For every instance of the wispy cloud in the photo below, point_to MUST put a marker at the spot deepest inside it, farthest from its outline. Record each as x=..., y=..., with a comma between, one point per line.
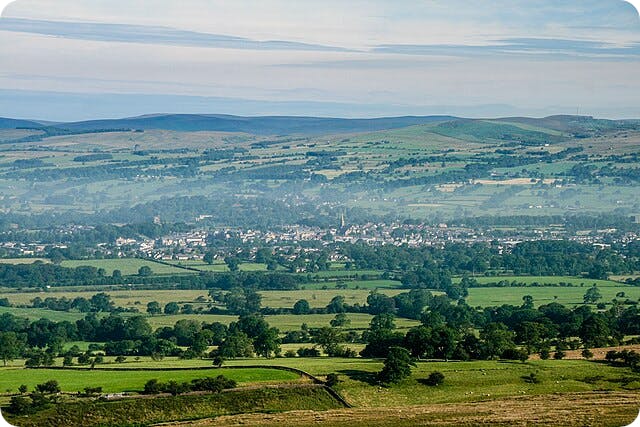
x=121, y=33
x=524, y=46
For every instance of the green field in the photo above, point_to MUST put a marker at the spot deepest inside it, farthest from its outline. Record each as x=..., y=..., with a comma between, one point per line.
x=130, y=381
x=576, y=281
x=464, y=381
x=570, y=296
x=127, y=266
x=157, y=410
x=22, y=260
x=284, y=322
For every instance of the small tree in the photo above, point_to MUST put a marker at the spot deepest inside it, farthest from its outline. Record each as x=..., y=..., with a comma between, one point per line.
x=559, y=355
x=10, y=346
x=145, y=271
x=592, y=295
x=233, y=263
x=301, y=307
x=587, y=354
x=545, y=354
x=153, y=308
x=50, y=387
x=23, y=389
x=218, y=361
x=340, y=321
x=397, y=365
x=171, y=308
x=332, y=380
x=209, y=257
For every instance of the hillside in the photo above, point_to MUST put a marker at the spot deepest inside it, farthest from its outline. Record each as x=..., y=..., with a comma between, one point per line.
x=253, y=125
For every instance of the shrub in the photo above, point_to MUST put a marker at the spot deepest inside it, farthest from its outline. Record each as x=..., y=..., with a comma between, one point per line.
x=153, y=387
x=532, y=378
x=308, y=352
x=434, y=379
x=559, y=355
x=587, y=354
x=50, y=387
x=332, y=380
x=20, y=405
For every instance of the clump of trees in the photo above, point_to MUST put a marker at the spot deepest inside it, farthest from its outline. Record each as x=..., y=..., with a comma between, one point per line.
x=209, y=384
x=43, y=396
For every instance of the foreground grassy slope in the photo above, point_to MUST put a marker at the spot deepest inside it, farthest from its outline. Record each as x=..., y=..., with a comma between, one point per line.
x=142, y=412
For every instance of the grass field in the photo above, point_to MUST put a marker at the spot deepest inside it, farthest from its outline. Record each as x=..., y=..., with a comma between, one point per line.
x=127, y=266
x=22, y=260
x=130, y=381
x=284, y=322
x=318, y=298
x=464, y=381
x=487, y=297
x=575, y=281
x=143, y=412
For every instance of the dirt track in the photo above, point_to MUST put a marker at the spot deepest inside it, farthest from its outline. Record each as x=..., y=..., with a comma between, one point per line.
x=578, y=409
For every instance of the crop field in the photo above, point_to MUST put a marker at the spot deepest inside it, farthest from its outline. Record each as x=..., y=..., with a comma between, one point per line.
x=131, y=381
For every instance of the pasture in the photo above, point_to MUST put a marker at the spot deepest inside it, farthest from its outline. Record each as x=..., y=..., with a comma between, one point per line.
x=127, y=266
x=72, y=380
x=569, y=296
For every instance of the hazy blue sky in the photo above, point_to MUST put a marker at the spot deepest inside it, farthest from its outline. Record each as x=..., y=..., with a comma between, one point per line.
x=72, y=59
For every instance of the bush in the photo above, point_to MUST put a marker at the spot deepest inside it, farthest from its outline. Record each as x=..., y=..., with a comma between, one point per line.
x=515, y=354
x=215, y=385
x=587, y=354
x=434, y=379
x=289, y=353
x=545, y=354
x=153, y=387
x=559, y=355
x=50, y=387
x=308, y=352
x=20, y=405
x=532, y=378
x=332, y=380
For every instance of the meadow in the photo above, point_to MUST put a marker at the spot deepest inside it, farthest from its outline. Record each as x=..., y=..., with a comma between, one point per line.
x=570, y=296
x=71, y=380
x=127, y=266
x=465, y=382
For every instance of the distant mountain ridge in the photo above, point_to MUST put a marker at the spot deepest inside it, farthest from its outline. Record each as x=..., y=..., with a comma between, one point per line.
x=17, y=123
x=267, y=125
x=293, y=125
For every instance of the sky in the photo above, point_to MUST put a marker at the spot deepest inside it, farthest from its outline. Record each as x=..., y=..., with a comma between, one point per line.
x=65, y=60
